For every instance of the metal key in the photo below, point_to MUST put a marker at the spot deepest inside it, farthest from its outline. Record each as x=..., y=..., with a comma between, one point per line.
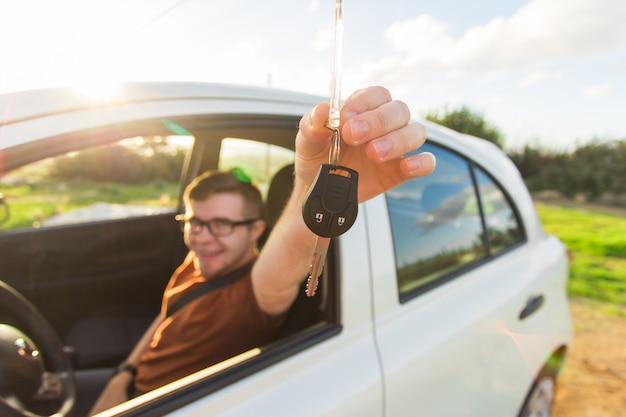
x=329, y=210
x=329, y=217
x=317, y=264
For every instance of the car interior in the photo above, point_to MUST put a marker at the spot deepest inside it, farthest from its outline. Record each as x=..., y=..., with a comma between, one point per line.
x=99, y=284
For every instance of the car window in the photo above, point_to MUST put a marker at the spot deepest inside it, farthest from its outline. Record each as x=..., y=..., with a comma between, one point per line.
x=437, y=225
x=136, y=176
x=257, y=160
x=502, y=222
x=435, y=222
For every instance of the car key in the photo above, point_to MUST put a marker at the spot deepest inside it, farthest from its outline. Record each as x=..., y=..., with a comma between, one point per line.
x=330, y=207
x=329, y=210
x=331, y=204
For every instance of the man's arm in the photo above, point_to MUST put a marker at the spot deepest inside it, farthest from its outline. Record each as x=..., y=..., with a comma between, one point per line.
x=116, y=390
x=376, y=134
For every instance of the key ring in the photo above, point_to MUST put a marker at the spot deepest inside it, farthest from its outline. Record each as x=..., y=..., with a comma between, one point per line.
x=335, y=146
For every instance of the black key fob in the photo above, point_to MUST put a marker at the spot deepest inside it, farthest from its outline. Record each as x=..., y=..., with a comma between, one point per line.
x=331, y=205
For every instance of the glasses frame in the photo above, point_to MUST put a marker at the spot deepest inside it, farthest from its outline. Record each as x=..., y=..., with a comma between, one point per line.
x=202, y=224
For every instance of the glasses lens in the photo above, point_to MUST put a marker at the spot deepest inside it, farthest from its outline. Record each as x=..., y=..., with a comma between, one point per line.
x=195, y=225
x=221, y=227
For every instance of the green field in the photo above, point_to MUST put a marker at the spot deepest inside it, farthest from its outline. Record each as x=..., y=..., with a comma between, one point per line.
x=33, y=203
x=597, y=244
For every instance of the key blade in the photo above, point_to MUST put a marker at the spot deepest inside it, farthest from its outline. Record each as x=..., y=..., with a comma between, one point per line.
x=317, y=265
x=335, y=80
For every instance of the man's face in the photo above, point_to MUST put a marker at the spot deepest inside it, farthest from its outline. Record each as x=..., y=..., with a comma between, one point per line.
x=217, y=255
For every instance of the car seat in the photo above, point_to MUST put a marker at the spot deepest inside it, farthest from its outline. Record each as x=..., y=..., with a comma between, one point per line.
x=305, y=311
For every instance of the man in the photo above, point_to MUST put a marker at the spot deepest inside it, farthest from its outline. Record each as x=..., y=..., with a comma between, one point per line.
x=376, y=134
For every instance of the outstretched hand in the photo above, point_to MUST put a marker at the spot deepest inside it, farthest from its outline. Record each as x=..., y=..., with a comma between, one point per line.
x=375, y=133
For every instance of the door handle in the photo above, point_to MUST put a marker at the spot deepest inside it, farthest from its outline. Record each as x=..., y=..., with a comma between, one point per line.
x=533, y=304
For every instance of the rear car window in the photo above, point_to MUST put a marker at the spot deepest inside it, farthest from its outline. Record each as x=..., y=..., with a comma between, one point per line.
x=440, y=222
x=503, y=226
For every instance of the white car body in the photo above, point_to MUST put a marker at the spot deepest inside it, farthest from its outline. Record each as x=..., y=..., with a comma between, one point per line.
x=457, y=349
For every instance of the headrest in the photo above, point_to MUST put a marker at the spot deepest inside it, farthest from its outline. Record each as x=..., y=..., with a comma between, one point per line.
x=278, y=193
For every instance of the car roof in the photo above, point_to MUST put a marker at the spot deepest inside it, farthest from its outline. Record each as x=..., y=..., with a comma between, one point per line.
x=30, y=104
x=30, y=116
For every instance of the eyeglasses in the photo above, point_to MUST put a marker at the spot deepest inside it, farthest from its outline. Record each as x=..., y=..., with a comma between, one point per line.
x=217, y=227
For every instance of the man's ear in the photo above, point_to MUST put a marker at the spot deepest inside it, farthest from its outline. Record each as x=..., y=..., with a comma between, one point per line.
x=258, y=227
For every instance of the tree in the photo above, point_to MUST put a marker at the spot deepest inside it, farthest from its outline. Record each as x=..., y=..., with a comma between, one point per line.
x=466, y=121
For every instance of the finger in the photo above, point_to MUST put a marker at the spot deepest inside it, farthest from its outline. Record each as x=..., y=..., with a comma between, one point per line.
x=418, y=165
x=313, y=137
x=390, y=174
x=397, y=143
x=312, y=123
x=364, y=100
x=375, y=123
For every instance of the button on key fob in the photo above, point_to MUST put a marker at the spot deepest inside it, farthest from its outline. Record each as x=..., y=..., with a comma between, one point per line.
x=331, y=205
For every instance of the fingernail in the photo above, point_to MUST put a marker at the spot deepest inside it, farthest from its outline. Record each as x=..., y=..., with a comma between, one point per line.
x=382, y=147
x=359, y=130
x=413, y=165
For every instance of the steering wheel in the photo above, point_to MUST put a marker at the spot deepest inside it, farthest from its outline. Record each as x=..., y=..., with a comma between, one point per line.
x=23, y=376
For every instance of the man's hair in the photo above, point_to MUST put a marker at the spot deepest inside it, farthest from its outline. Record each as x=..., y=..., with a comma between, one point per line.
x=217, y=182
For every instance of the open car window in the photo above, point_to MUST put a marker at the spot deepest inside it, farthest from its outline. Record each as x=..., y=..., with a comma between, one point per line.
x=134, y=177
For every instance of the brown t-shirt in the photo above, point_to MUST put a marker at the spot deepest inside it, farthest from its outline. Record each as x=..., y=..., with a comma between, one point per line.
x=211, y=328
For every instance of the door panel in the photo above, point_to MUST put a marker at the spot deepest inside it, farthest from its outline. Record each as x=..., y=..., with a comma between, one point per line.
x=70, y=272
x=454, y=350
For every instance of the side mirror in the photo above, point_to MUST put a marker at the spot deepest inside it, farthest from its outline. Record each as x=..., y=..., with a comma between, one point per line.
x=4, y=209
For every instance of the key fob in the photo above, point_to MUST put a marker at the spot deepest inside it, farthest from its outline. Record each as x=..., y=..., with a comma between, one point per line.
x=331, y=205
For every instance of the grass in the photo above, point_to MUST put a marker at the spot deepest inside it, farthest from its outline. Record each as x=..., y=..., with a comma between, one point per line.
x=597, y=243
x=30, y=204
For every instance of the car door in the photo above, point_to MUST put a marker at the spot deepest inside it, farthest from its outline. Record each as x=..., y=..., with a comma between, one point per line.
x=450, y=334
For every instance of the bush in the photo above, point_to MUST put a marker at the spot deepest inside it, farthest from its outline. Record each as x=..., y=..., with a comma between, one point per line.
x=593, y=170
x=119, y=164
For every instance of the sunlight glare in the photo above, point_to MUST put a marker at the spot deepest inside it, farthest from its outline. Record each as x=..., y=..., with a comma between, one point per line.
x=96, y=89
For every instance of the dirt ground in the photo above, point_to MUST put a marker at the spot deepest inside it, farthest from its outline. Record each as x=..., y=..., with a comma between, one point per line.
x=593, y=380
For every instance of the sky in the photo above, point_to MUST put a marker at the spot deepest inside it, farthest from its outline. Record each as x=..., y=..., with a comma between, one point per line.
x=545, y=73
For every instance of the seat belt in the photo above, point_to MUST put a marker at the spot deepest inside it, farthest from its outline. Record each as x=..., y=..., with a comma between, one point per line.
x=206, y=287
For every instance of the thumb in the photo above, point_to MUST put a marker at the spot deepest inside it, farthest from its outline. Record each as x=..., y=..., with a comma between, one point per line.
x=313, y=137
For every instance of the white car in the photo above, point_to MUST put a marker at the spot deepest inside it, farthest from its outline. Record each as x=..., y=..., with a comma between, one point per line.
x=446, y=298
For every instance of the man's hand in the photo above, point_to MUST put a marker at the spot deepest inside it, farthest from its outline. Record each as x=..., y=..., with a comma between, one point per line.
x=115, y=393
x=376, y=134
